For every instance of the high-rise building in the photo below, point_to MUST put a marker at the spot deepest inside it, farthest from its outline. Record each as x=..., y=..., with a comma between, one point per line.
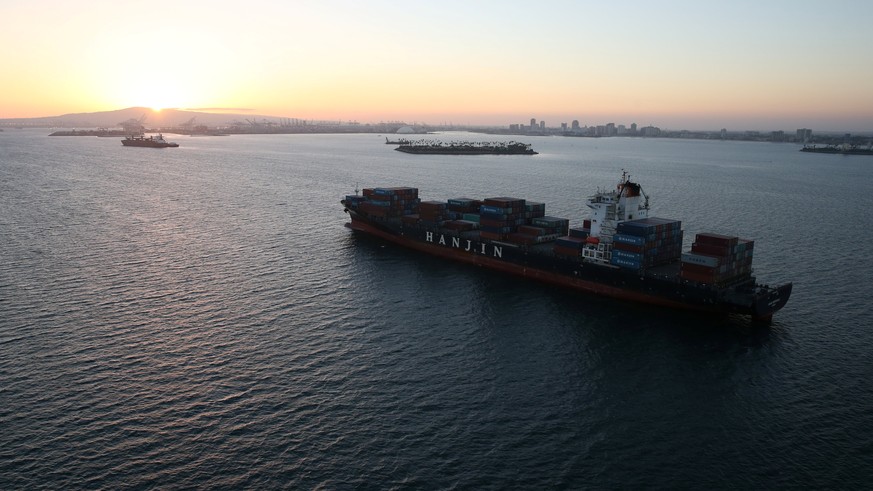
x=651, y=131
x=804, y=135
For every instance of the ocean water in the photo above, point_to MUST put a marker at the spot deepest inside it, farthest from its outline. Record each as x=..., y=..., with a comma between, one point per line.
x=200, y=317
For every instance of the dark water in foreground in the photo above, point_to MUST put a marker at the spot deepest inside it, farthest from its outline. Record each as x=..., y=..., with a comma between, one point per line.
x=199, y=317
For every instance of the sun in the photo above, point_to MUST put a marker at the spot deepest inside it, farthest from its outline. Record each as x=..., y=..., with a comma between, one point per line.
x=159, y=95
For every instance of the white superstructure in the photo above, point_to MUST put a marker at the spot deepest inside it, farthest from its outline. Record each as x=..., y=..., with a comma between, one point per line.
x=608, y=208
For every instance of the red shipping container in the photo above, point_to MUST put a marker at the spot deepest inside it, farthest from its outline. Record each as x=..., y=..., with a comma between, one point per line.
x=716, y=239
x=531, y=230
x=492, y=236
x=713, y=250
x=525, y=239
x=628, y=247
x=566, y=251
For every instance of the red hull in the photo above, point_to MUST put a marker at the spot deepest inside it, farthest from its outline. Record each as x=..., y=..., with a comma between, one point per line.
x=536, y=274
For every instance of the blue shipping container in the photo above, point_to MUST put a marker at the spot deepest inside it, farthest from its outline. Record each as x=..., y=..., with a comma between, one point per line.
x=629, y=239
x=630, y=256
x=625, y=263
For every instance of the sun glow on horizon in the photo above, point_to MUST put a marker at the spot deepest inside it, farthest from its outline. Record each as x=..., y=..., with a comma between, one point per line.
x=373, y=62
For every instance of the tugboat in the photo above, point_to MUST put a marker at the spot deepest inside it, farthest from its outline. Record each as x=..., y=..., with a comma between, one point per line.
x=150, y=141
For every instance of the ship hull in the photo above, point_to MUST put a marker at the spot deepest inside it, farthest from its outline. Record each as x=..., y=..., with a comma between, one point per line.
x=147, y=144
x=462, y=151
x=838, y=151
x=608, y=281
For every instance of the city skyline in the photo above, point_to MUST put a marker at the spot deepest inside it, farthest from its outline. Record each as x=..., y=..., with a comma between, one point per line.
x=172, y=119
x=676, y=64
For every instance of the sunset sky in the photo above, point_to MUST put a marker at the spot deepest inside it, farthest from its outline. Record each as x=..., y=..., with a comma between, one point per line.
x=676, y=64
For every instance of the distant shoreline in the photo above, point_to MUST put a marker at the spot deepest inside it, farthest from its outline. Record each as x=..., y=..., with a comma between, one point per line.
x=859, y=140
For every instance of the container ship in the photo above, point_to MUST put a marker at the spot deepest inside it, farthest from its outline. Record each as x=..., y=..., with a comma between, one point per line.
x=150, y=142
x=844, y=149
x=620, y=251
x=465, y=148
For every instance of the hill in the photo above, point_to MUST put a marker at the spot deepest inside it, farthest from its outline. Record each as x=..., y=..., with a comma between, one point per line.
x=159, y=119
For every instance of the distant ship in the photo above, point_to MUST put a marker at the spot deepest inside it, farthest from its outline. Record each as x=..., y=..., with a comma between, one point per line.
x=150, y=142
x=838, y=149
x=464, y=148
x=402, y=141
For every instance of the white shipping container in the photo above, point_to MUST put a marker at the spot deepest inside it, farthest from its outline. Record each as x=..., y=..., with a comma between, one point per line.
x=701, y=259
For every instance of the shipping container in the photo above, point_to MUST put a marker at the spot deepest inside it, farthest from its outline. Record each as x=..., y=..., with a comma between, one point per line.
x=625, y=263
x=711, y=249
x=524, y=239
x=627, y=247
x=492, y=236
x=579, y=232
x=434, y=205
x=506, y=205
x=701, y=259
x=570, y=242
x=353, y=198
x=628, y=239
x=533, y=206
x=411, y=219
x=531, y=230
x=566, y=251
x=496, y=230
x=461, y=202
x=716, y=239
x=461, y=225
x=501, y=223
x=650, y=228
x=490, y=209
x=505, y=202
x=552, y=222
x=630, y=256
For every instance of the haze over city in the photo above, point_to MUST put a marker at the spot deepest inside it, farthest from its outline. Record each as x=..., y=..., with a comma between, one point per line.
x=675, y=64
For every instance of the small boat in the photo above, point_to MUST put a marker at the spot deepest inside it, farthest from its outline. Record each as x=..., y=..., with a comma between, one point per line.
x=150, y=141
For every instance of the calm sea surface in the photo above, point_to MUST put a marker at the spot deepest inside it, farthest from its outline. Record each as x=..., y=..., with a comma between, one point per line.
x=199, y=317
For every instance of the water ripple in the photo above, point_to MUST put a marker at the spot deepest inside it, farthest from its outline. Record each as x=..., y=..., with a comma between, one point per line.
x=202, y=319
